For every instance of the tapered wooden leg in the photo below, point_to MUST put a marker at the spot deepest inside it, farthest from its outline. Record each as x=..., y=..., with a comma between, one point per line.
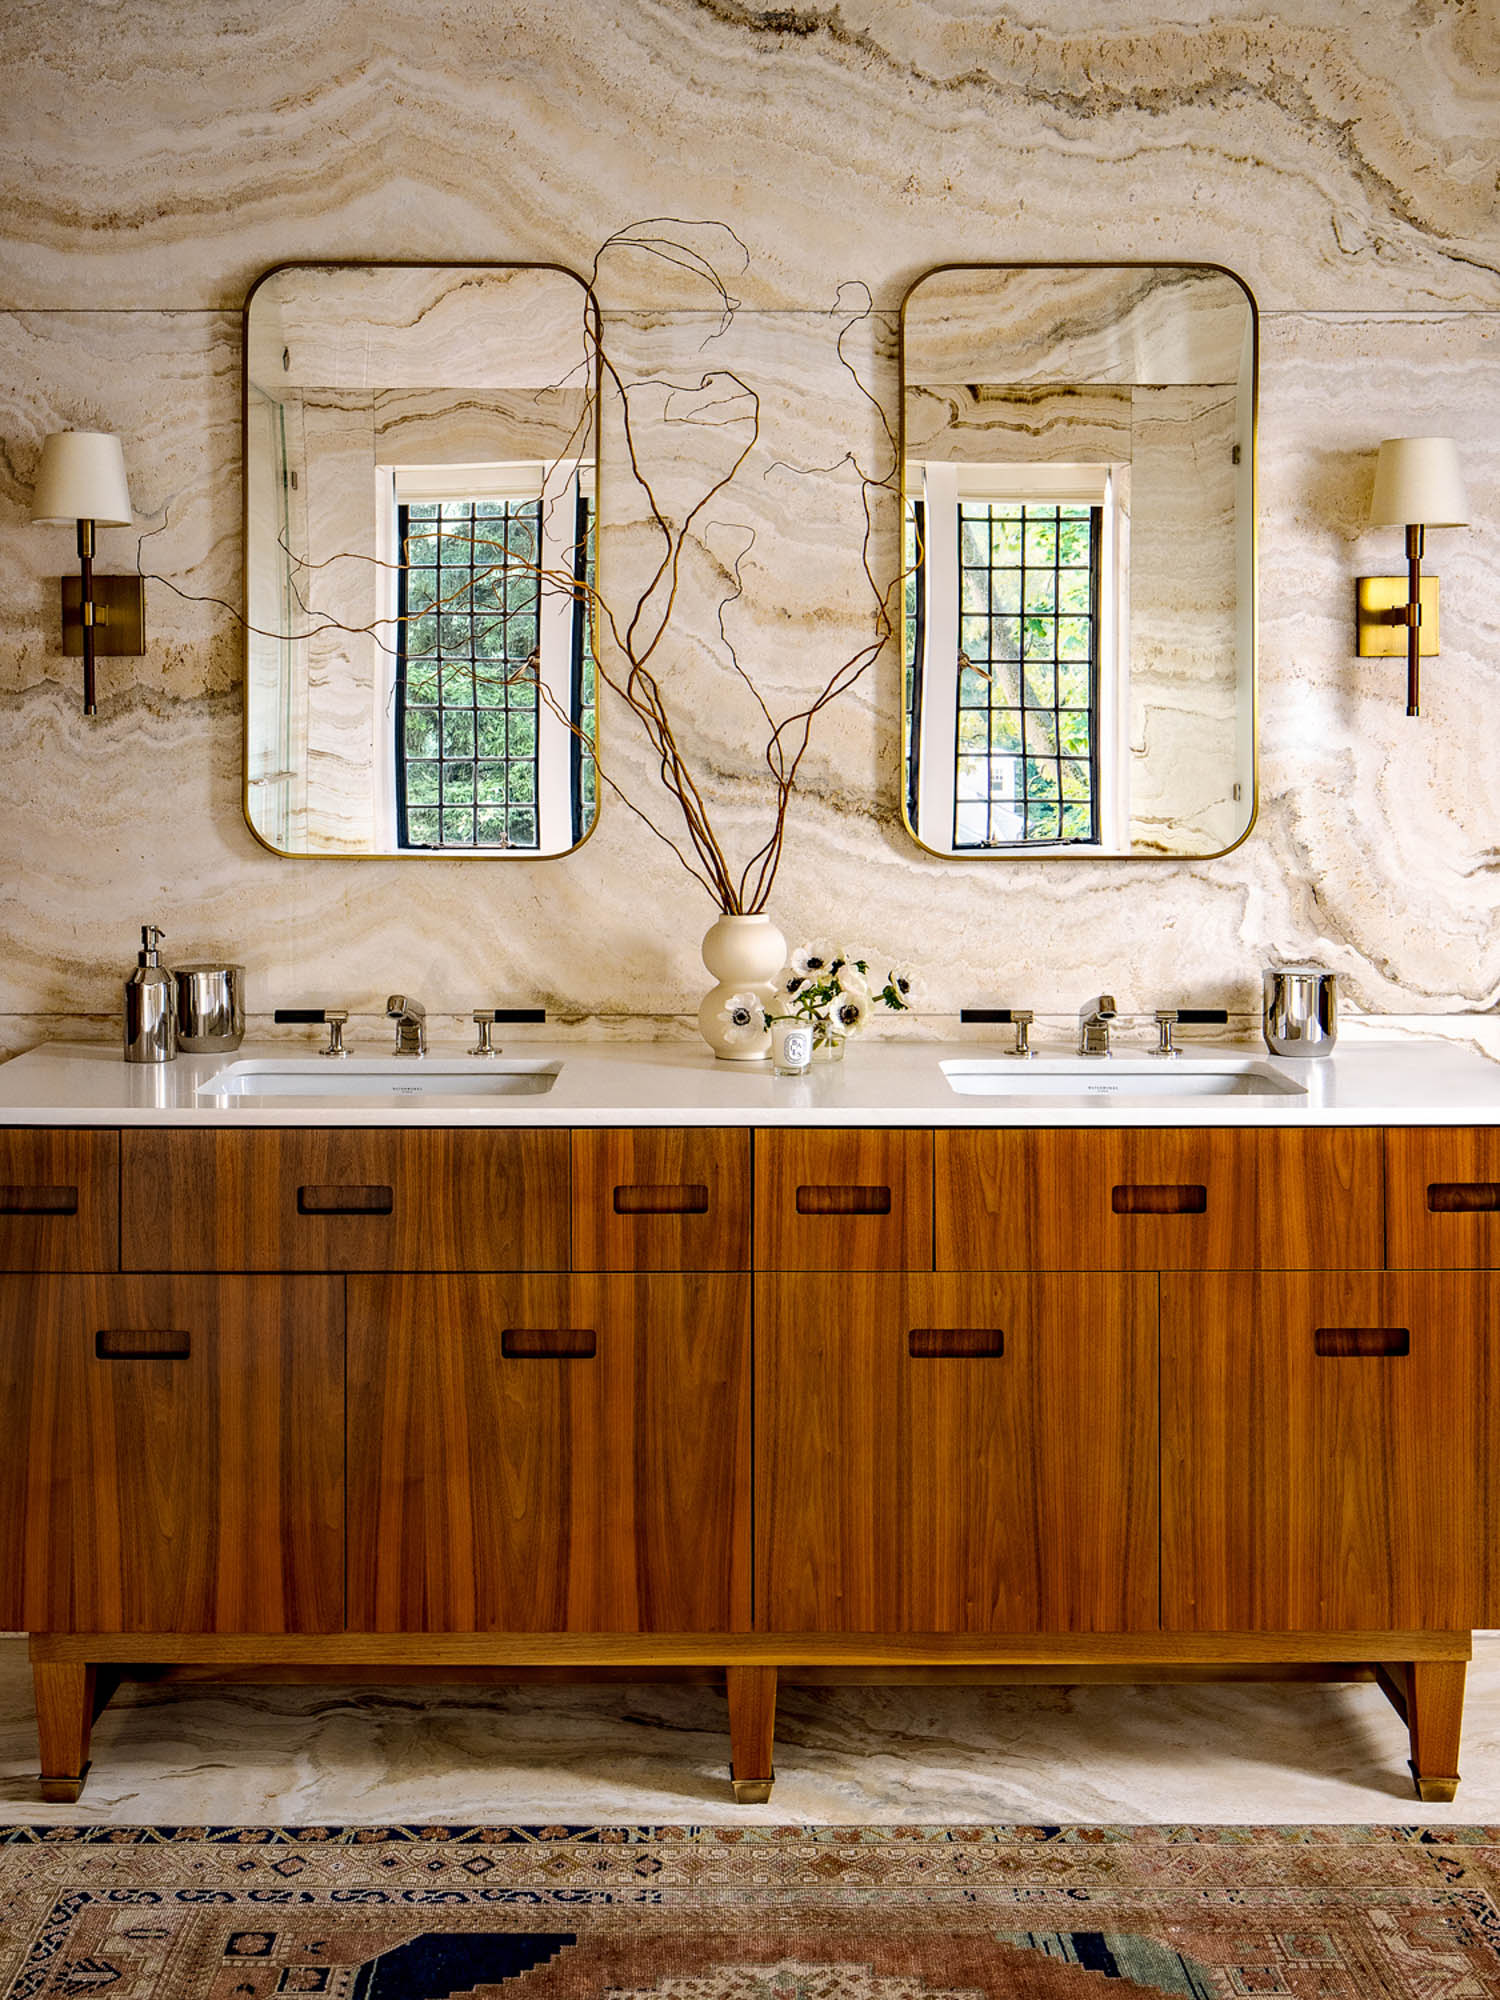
x=65, y=1710
x=752, y=1732
x=1434, y=1721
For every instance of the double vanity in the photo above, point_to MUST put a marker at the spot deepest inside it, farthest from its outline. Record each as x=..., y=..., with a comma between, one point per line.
x=600, y=1357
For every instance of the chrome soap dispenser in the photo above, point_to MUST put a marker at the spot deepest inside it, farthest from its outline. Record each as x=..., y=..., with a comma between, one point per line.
x=150, y=1005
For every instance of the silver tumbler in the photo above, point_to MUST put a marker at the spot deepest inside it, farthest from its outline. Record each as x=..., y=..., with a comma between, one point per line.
x=210, y=1008
x=1301, y=1012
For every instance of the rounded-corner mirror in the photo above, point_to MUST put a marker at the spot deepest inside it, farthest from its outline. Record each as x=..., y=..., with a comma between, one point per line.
x=1078, y=471
x=421, y=466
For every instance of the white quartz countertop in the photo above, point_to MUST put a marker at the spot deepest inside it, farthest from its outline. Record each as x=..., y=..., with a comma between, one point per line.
x=1385, y=1071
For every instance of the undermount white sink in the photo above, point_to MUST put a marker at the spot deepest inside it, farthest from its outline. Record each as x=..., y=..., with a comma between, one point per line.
x=404, y=1079
x=1098, y=1078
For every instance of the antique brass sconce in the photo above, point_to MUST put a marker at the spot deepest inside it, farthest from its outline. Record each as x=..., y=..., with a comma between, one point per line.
x=82, y=479
x=1418, y=485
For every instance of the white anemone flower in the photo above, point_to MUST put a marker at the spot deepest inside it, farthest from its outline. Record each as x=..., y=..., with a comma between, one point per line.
x=852, y=980
x=812, y=960
x=847, y=1012
x=742, y=1019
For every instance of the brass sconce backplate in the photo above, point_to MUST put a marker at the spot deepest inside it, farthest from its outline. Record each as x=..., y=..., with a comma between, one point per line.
x=1380, y=617
x=119, y=615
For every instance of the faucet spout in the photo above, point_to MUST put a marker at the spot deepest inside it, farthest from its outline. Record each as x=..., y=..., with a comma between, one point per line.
x=1094, y=1019
x=410, y=1017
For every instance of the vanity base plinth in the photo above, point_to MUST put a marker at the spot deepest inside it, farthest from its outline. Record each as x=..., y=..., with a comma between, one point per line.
x=1421, y=1673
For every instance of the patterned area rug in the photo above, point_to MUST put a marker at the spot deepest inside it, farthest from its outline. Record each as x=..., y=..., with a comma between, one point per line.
x=763, y=1913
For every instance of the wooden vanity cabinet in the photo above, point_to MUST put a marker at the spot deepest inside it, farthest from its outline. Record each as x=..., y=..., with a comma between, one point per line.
x=1139, y=1403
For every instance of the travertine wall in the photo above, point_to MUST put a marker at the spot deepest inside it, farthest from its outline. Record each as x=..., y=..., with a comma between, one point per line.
x=1339, y=154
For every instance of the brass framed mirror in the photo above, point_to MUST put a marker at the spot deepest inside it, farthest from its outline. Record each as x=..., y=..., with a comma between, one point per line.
x=1079, y=648
x=421, y=449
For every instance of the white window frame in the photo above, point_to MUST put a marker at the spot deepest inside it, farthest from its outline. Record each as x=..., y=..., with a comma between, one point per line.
x=557, y=487
x=942, y=485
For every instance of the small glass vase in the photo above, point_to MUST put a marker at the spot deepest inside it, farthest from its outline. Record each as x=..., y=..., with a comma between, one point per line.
x=828, y=1043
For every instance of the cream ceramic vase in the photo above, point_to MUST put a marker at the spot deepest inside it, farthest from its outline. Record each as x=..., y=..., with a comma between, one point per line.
x=744, y=954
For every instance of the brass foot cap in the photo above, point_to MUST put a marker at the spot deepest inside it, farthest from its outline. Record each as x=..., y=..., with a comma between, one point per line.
x=752, y=1791
x=63, y=1791
x=1434, y=1791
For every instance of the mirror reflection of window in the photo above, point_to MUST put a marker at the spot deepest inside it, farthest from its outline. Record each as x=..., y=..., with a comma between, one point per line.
x=421, y=454
x=1078, y=446
x=1015, y=672
x=493, y=700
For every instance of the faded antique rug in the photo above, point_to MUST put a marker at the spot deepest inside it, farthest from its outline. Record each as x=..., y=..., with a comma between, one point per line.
x=760, y=1913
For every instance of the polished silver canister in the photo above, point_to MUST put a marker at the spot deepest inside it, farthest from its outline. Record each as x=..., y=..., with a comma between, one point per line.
x=1301, y=1011
x=210, y=1008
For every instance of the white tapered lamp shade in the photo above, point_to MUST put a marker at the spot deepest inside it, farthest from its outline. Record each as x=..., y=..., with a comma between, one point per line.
x=1418, y=482
x=82, y=478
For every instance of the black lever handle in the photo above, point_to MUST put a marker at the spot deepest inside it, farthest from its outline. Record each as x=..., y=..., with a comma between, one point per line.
x=988, y=1016
x=1204, y=1017
x=512, y=1014
x=314, y=1017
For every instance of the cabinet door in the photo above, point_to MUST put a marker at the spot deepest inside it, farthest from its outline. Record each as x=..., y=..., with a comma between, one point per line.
x=59, y=1201
x=174, y=1457
x=322, y=1199
x=549, y=1454
x=956, y=1454
x=1198, y=1199
x=1322, y=1451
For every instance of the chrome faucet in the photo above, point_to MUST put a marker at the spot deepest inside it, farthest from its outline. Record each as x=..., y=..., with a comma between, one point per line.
x=410, y=1017
x=1094, y=1018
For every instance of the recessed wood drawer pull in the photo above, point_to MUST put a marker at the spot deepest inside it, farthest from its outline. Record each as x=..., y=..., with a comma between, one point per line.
x=1356, y=1341
x=548, y=1343
x=662, y=1198
x=336, y=1200
x=142, y=1344
x=1189, y=1199
x=843, y=1201
x=38, y=1200
x=936, y=1343
x=1462, y=1197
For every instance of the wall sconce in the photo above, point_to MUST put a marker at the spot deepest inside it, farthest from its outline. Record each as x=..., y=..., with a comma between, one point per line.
x=1418, y=485
x=82, y=478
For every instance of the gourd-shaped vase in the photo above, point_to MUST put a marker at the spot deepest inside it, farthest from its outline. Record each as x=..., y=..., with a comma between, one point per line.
x=744, y=954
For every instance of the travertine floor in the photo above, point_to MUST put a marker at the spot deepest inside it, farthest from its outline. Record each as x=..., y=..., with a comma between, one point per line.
x=249, y=1755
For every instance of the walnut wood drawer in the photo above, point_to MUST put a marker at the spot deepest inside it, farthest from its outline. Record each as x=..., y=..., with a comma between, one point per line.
x=327, y=1200
x=59, y=1200
x=1148, y=1200
x=1443, y=1198
x=843, y=1201
x=652, y=1199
